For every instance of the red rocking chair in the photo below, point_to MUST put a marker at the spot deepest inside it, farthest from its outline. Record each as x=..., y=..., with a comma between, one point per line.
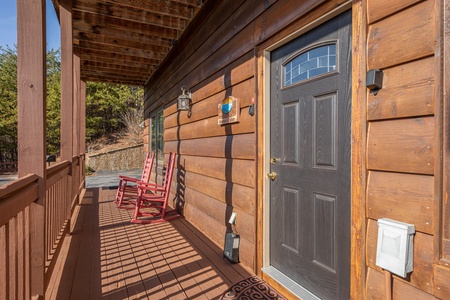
x=127, y=190
x=151, y=204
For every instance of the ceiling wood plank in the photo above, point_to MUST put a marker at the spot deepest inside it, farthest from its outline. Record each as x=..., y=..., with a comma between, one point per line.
x=161, y=7
x=84, y=30
x=105, y=74
x=128, y=62
x=121, y=50
x=105, y=40
x=100, y=20
x=119, y=68
x=130, y=14
x=114, y=81
x=92, y=73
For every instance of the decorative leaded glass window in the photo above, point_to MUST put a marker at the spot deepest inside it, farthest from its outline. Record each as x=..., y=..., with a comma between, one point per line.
x=314, y=62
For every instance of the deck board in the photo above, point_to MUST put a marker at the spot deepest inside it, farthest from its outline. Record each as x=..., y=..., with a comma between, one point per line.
x=108, y=257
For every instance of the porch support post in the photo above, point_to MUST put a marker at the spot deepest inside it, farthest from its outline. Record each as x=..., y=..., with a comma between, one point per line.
x=65, y=11
x=83, y=128
x=76, y=123
x=76, y=101
x=65, y=15
x=31, y=99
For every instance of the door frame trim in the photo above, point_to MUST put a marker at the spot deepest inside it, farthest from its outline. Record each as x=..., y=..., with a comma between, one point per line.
x=358, y=128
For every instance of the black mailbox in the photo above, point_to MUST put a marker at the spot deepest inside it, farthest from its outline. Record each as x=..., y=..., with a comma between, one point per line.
x=50, y=158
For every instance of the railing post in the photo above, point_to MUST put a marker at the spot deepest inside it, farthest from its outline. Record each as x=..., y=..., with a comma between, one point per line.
x=31, y=96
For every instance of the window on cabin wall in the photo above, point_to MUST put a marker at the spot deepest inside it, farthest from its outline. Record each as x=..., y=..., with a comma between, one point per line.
x=157, y=138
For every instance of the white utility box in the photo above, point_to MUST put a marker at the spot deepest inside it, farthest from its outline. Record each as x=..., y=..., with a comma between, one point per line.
x=395, y=246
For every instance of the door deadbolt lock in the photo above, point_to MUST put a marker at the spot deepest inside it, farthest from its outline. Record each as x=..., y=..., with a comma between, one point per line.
x=273, y=160
x=272, y=176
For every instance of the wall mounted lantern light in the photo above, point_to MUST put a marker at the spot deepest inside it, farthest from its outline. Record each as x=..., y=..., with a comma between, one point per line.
x=184, y=100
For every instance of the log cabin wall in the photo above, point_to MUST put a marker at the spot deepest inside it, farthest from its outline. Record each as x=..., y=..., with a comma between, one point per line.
x=217, y=164
x=404, y=139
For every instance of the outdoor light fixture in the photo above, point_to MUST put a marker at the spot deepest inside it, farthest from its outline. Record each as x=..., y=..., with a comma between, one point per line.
x=231, y=248
x=184, y=100
x=374, y=80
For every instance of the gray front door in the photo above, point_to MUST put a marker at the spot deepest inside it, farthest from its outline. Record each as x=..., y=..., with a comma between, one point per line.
x=310, y=155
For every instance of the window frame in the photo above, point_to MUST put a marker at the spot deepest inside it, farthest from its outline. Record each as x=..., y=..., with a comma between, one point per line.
x=156, y=144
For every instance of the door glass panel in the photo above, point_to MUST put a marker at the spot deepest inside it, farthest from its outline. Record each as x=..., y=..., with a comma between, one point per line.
x=312, y=63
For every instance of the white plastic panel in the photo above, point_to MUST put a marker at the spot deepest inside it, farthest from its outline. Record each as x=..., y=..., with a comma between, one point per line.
x=395, y=246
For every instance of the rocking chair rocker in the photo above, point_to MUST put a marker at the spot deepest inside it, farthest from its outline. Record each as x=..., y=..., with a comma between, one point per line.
x=127, y=191
x=151, y=204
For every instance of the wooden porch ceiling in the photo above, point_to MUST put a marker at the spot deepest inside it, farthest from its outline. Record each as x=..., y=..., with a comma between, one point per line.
x=124, y=41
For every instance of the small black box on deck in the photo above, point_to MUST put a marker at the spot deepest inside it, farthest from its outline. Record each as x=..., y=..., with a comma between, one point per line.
x=231, y=248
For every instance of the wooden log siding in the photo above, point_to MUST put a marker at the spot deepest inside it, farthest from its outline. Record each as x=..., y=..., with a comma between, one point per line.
x=407, y=91
x=217, y=58
x=215, y=46
x=402, y=146
x=390, y=44
x=216, y=62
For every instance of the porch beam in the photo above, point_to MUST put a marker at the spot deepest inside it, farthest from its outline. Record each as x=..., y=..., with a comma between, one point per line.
x=31, y=98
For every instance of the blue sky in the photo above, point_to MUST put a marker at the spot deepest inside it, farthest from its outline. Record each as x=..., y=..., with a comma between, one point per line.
x=8, y=25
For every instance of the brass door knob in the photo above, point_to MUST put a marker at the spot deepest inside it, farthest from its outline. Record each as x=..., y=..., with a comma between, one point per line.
x=272, y=176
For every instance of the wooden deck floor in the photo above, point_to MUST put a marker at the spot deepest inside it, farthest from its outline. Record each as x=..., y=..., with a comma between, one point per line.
x=107, y=257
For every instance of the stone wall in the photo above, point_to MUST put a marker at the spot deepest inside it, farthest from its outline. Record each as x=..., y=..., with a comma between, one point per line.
x=118, y=159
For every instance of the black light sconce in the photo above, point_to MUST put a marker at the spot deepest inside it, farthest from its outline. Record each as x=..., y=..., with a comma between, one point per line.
x=184, y=100
x=374, y=80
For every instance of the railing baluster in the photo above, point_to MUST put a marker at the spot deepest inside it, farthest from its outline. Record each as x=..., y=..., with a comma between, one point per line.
x=20, y=254
x=3, y=262
x=12, y=257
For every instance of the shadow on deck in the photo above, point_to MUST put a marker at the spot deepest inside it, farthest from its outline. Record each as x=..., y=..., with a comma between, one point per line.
x=107, y=257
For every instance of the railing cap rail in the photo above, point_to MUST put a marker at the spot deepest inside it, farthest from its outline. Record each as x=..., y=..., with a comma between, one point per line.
x=17, y=184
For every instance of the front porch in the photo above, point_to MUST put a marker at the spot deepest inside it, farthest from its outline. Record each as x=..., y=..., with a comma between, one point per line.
x=107, y=257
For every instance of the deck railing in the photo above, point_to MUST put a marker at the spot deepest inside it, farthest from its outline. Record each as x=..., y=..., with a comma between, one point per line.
x=57, y=210
x=64, y=187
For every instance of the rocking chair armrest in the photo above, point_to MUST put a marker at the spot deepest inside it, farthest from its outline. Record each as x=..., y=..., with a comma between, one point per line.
x=127, y=178
x=150, y=186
